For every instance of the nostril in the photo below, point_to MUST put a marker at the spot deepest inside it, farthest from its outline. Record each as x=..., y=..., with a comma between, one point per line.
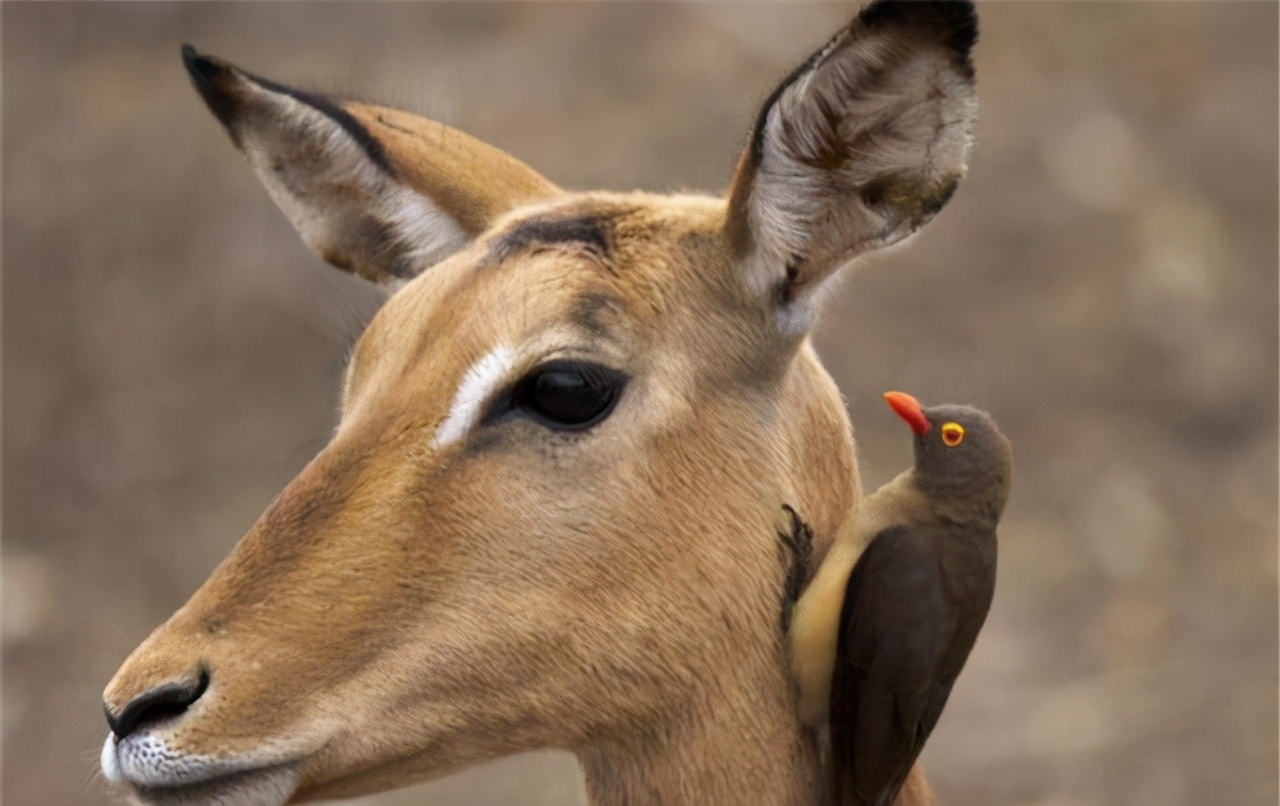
x=156, y=705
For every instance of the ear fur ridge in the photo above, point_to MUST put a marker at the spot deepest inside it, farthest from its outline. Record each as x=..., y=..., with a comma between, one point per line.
x=214, y=79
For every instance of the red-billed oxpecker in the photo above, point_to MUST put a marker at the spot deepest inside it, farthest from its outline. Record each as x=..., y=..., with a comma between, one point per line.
x=882, y=632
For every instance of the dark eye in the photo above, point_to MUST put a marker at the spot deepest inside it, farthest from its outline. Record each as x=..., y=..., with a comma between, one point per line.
x=569, y=395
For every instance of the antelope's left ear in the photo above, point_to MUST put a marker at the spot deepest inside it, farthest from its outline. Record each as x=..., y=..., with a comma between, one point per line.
x=858, y=148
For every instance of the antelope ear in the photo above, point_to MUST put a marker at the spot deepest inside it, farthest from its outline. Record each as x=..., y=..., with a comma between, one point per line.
x=858, y=148
x=378, y=192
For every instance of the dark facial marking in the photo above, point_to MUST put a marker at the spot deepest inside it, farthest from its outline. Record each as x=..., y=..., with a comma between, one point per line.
x=592, y=232
x=588, y=309
x=797, y=543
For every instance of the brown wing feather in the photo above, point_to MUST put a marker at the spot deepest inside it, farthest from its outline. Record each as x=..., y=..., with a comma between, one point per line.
x=911, y=613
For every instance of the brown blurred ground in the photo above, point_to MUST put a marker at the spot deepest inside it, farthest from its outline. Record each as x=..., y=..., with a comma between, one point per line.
x=1105, y=282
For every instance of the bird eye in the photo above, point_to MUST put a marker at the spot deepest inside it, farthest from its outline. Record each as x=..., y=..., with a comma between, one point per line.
x=569, y=395
x=952, y=434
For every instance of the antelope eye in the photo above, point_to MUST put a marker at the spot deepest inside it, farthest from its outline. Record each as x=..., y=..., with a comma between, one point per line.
x=569, y=395
x=952, y=434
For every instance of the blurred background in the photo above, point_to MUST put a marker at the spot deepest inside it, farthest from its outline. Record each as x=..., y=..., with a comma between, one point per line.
x=1105, y=282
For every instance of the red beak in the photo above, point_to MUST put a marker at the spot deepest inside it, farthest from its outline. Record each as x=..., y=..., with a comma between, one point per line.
x=908, y=408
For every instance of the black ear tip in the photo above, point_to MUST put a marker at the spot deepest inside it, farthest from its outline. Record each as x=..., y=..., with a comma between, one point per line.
x=952, y=23
x=962, y=18
x=955, y=20
x=210, y=76
x=204, y=70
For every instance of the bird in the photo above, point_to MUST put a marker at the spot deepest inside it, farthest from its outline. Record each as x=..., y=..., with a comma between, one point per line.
x=884, y=628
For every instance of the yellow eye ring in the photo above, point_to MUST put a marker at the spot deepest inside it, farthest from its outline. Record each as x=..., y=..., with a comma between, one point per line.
x=952, y=434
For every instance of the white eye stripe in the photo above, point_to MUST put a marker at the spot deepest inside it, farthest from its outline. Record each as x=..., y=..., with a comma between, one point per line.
x=477, y=386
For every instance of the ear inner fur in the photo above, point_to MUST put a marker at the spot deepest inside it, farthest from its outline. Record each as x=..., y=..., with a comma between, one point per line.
x=857, y=149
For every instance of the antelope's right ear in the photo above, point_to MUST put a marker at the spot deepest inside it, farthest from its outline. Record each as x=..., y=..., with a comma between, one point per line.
x=378, y=192
x=856, y=149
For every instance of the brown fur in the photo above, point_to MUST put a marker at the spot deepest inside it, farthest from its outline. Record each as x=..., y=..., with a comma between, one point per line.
x=471, y=180
x=404, y=609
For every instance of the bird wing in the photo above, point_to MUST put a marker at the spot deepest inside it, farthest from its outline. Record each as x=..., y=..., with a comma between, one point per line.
x=905, y=631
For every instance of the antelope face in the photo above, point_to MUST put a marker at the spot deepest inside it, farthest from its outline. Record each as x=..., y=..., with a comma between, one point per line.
x=548, y=515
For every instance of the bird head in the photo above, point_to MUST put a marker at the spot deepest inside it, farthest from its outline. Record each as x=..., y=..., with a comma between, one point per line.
x=958, y=451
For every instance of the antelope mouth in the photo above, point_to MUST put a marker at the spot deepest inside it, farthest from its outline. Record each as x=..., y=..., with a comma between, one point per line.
x=266, y=786
x=154, y=775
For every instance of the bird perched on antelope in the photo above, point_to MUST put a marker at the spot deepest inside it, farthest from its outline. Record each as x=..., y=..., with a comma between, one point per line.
x=883, y=630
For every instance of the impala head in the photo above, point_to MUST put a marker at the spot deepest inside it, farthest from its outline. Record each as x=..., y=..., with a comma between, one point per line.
x=549, y=514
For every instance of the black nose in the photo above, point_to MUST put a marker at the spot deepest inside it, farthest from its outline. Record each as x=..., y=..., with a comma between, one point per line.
x=156, y=705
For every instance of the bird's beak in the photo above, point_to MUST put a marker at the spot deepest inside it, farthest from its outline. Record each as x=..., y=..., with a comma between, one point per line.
x=908, y=408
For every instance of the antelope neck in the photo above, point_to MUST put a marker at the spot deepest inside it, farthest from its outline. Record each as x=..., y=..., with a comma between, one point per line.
x=746, y=748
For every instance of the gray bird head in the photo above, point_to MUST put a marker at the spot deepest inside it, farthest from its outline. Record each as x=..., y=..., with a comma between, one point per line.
x=960, y=454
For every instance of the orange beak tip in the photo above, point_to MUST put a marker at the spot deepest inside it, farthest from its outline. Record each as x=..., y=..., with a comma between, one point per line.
x=909, y=409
